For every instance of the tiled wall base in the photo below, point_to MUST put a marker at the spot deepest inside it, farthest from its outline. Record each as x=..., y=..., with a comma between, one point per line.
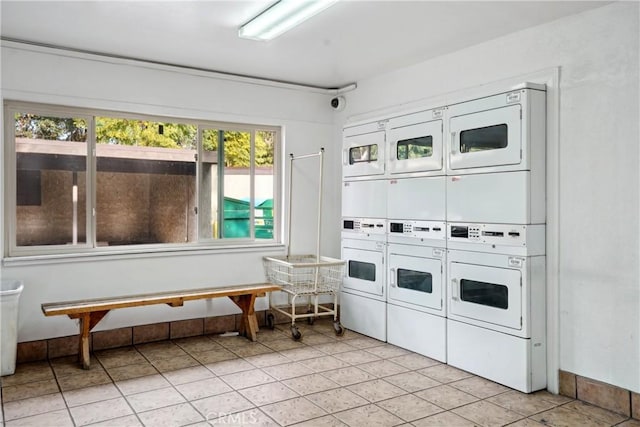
x=33, y=351
x=600, y=394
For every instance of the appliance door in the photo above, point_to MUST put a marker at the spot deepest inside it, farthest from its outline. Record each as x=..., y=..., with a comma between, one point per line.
x=486, y=138
x=416, y=198
x=416, y=148
x=485, y=295
x=363, y=155
x=415, y=280
x=364, y=271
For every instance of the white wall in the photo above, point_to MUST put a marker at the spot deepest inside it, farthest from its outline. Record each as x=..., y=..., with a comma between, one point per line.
x=49, y=76
x=598, y=182
x=597, y=176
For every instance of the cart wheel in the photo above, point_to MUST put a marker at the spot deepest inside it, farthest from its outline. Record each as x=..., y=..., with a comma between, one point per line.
x=271, y=321
x=310, y=320
x=338, y=329
x=295, y=333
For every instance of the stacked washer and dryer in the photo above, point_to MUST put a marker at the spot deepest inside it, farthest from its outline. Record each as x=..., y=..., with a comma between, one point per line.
x=397, y=206
x=443, y=233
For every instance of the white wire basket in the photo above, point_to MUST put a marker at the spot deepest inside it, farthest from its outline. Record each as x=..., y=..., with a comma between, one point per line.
x=305, y=274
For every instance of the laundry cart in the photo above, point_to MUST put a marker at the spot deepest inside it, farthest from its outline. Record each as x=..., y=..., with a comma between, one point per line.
x=305, y=277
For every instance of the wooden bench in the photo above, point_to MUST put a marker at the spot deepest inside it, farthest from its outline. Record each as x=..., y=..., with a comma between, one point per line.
x=91, y=311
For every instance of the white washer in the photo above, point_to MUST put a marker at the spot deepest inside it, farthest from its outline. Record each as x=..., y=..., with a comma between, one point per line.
x=362, y=298
x=416, y=294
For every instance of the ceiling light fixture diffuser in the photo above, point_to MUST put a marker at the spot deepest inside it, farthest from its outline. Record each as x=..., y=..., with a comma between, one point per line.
x=280, y=17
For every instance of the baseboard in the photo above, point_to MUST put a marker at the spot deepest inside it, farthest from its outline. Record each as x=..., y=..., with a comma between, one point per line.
x=598, y=393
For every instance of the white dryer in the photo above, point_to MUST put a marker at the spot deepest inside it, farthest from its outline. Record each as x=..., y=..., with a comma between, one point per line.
x=362, y=297
x=496, y=325
x=363, y=150
x=498, y=133
x=416, y=293
x=416, y=144
x=496, y=158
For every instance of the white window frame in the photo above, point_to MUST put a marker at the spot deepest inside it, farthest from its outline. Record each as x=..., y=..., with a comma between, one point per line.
x=12, y=250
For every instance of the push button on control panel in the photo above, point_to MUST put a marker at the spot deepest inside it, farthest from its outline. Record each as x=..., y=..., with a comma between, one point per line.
x=474, y=233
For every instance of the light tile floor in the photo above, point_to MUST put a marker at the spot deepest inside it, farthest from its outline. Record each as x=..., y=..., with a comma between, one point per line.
x=322, y=381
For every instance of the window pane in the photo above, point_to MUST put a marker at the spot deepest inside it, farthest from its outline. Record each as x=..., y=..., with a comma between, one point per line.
x=145, y=182
x=415, y=280
x=141, y=187
x=363, y=154
x=263, y=183
x=237, y=184
x=483, y=139
x=415, y=148
x=51, y=159
x=485, y=293
x=208, y=207
x=362, y=270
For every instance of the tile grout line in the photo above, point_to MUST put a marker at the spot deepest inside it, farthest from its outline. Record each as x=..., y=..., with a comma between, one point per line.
x=122, y=395
x=66, y=404
x=239, y=351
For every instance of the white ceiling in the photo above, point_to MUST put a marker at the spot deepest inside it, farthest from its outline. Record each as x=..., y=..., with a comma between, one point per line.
x=346, y=43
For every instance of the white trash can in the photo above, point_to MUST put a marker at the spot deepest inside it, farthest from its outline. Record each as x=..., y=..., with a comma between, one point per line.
x=10, y=291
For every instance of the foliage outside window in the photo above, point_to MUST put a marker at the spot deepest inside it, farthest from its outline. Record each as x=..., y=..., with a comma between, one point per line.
x=363, y=154
x=415, y=148
x=82, y=181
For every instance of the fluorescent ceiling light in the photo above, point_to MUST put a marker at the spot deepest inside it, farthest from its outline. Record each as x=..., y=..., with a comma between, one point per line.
x=281, y=17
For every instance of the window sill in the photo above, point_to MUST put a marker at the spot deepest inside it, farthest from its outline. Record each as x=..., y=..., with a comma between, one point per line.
x=133, y=253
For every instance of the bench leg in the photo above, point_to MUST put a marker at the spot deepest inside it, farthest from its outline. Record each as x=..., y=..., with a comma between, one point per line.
x=87, y=322
x=83, y=348
x=249, y=324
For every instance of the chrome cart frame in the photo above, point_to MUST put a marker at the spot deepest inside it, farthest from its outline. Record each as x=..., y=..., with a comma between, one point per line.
x=307, y=276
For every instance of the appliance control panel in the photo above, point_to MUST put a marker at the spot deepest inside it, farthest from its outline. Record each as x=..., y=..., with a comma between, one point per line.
x=492, y=234
x=363, y=225
x=417, y=229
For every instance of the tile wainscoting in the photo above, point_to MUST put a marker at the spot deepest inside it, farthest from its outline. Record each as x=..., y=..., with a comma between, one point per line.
x=34, y=351
x=600, y=394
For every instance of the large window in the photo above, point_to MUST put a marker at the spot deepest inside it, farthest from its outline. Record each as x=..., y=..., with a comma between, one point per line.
x=83, y=181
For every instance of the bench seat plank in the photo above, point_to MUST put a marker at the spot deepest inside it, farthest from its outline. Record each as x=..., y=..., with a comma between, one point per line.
x=91, y=311
x=110, y=303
